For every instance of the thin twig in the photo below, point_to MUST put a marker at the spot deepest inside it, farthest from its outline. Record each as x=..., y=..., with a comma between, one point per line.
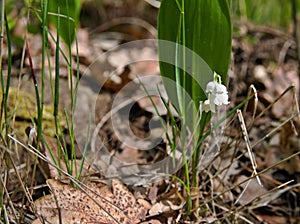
x=9, y=199
x=253, y=176
x=276, y=129
x=275, y=101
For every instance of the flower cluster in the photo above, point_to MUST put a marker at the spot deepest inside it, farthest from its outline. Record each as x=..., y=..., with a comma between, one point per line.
x=216, y=94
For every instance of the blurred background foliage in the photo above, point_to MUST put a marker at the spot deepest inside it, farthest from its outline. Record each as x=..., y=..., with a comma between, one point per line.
x=275, y=13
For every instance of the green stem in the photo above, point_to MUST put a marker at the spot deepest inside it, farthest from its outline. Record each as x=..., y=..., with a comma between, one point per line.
x=44, y=5
x=39, y=110
x=1, y=72
x=72, y=91
x=182, y=102
x=5, y=97
x=56, y=92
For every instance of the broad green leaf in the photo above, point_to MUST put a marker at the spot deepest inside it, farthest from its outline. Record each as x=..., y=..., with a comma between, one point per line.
x=68, y=10
x=205, y=28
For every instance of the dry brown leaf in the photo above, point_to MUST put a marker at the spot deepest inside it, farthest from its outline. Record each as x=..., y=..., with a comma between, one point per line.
x=100, y=205
x=116, y=82
x=152, y=221
x=159, y=208
x=272, y=218
x=253, y=190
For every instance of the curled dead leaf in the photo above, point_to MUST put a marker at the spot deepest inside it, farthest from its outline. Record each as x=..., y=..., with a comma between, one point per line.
x=97, y=204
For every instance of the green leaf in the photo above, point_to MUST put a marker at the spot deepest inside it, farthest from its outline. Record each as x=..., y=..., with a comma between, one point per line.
x=203, y=26
x=68, y=10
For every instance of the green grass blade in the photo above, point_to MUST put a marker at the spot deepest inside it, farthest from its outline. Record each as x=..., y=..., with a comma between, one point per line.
x=69, y=13
x=5, y=90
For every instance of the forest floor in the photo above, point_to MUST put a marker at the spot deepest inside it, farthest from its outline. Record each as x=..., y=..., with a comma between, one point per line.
x=264, y=62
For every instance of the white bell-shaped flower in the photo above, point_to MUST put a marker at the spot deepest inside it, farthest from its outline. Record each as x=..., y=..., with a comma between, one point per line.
x=217, y=94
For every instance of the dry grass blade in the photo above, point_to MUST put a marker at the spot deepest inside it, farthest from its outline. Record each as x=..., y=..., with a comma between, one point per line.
x=248, y=144
x=71, y=205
